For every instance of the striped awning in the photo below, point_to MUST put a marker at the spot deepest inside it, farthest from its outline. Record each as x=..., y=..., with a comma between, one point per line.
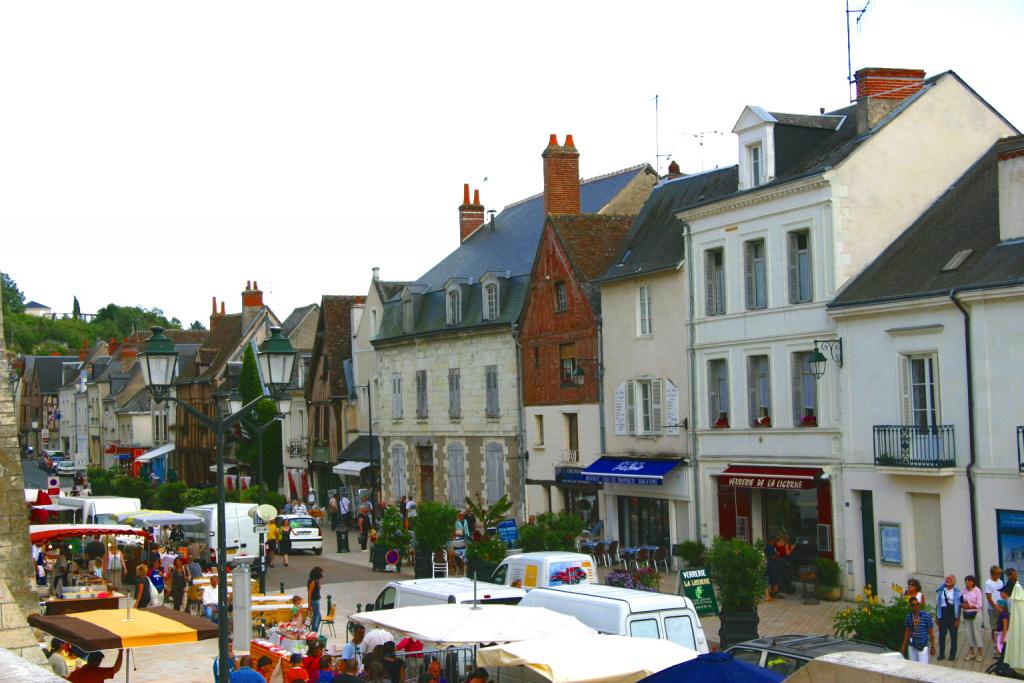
x=110, y=629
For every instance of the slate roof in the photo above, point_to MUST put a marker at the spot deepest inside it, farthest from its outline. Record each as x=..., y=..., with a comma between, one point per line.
x=289, y=324
x=656, y=241
x=389, y=288
x=35, y=304
x=966, y=216
x=138, y=403
x=334, y=340
x=359, y=449
x=512, y=243
x=50, y=369
x=828, y=121
x=217, y=348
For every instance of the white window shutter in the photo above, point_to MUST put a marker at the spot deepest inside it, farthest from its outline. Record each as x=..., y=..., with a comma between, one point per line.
x=907, y=406
x=657, y=405
x=794, y=269
x=631, y=407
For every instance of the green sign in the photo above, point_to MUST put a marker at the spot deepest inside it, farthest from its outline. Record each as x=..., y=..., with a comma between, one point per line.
x=695, y=583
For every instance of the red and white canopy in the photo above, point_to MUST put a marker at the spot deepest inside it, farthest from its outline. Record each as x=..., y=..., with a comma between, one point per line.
x=40, y=533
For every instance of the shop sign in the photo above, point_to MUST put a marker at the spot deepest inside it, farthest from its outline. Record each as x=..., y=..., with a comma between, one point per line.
x=778, y=483
x=892, y=543
x=509, y=532
x=695, y=584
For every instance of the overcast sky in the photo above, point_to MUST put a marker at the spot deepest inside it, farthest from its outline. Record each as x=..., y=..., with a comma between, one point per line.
x=163, y=153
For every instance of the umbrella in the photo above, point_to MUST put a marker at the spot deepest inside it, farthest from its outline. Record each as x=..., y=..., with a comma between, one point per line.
x=39, y=533
x=159, y=518
x=450, y=625
x=585, y=658
x=714, y=667
x=110, y=629
x=1014, y=652
x=375, y=637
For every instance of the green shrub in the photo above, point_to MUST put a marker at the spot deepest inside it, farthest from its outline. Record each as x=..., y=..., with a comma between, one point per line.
x=433, y=525
x=552, y=531
x=828, y=572
x=194, y=497
x=738, y=569
x=252, y=495
x=392, y=533
x=100, y=481
x=875, y=621
x=169, y=496
x=694, y=553
x=487, y=549
x=130, y=487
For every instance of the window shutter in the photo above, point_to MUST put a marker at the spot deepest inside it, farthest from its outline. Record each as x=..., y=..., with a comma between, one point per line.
x=794, y=269
x=631, y=407
x=798, y=387
x=748, y=274
x=657, y=403
x=713, y=399
x=650, y=310
x=709, y=283
x=906, y=401
x=752, y=390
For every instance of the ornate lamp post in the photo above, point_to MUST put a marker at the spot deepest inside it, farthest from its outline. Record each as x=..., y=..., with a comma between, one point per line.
x=159, y=361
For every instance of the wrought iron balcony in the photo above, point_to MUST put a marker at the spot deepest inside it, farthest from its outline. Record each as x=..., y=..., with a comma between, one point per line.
x=913, y=446
x=1020, y=448
x=570, y=456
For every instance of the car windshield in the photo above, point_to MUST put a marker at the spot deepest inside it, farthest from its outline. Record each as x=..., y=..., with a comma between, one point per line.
x=302, y=523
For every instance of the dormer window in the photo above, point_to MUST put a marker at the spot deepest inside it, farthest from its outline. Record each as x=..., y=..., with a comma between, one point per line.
x=756, y=165
x=454, y=307
x=408, y=316
x=491, y=303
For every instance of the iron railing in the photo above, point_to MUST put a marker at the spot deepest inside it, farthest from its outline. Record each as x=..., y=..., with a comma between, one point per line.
x=570, y=455
x=1020, y=447
x=915, y=446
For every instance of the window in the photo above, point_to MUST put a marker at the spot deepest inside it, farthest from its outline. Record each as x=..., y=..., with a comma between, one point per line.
x=754, y=274
x=561, y=297
x=491, y=384
x=718, y=393
x=374, y=325
x=494, y=460
x=760, y=391
x=491, y=301
x=539, y=421
x=920, y=390
x=714, y=281
x=567, y=364
x=572, y=431
x=396, y=396
x=746, y=655
x=421, y=394
x=801, y=288
x=536, y=357
x=680, y=631
x=454, y=307
x=644, y=312
x=408, y=317
x=454, y=394
x=397, y=471
x=784, y=665
x=805, y=392
x=756, y=163
x=644, y=628
x=644, y=401
x=456, y=474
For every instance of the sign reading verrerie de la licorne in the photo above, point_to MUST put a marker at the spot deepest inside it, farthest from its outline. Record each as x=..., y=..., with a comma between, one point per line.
x=695, y=584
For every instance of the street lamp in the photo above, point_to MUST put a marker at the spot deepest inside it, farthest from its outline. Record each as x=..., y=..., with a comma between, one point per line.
x=817, y=360
x=159, y=360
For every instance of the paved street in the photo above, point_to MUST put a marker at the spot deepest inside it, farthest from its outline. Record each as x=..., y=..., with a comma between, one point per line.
x=35, y=477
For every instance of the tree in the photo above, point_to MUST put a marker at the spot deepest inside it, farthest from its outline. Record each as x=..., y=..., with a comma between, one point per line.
x=197, y=326
x=76, y=310
x=14, y=299
x=250, y=387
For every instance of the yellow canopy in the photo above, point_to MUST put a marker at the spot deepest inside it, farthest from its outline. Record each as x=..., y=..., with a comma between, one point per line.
x=109, y=629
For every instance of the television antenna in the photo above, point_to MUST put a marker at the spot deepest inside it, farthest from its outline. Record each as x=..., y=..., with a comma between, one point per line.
x=700, y=142
x=658, y=156
x=849, y=53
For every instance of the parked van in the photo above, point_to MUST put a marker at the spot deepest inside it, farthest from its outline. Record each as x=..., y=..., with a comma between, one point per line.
x=626, y=612
x=99, y=509
x=441, y=591
x=540, y=570
x=241, y=539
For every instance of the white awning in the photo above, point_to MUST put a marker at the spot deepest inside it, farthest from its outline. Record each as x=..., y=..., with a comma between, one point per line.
x=350, y=468
x=228, y=466
x=155, y=453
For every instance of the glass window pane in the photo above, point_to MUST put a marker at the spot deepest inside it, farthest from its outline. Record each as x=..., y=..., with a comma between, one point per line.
x=782, y=664
x=644, y=628
x=680, y=631
x=746, y=655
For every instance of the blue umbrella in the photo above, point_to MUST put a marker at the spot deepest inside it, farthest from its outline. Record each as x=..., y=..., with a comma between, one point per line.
x=714, y=667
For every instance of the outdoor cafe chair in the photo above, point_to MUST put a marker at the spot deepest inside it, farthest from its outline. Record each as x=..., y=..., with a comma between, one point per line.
x=660, y=555
x=328, y=620
x=440, y=564
x=641, y=557
x=611, y=553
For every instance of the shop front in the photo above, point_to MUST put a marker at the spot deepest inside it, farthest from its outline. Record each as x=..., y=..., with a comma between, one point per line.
x=761, y=501
x=578, y=495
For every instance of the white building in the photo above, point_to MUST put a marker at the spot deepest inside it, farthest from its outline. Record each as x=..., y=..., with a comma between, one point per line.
x=933, y=340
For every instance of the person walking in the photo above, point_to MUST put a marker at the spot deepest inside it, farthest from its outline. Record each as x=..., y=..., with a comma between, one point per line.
x=273, y=538
x=332, y=511
x=179, y=582
x=363, y=522
x=115, y=566
x=313, y=598
x=345, y=509
x=947, y=611
x=284, y=544
x=973, y=602
x=918, y=634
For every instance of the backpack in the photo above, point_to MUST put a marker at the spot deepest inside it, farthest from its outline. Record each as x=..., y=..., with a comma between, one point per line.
x=1004, y=670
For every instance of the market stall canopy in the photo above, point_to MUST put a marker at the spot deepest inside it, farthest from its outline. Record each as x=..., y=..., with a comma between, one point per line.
x=629, y=471
x=714, y=667
x=155, y=453
x=55, y=507
x=586, y=658
x=40, y=533
x=227, y=466
x=451, y=625
x=158, y=518
x=350, y=468
x=109, y=629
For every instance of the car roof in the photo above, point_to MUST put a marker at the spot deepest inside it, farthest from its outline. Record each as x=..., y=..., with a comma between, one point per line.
x=812, y=646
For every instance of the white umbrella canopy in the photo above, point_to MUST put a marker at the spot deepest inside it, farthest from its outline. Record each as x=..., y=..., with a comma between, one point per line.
x=585, y=658
x=375, y=637
x=158, y=518
x=1014, y=652
x=453, y=625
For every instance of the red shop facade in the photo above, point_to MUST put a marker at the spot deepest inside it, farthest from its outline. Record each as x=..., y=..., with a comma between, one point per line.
x=759, y=501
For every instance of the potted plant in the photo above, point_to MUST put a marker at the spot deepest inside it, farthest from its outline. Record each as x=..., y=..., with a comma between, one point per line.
x=552, y=531
x=432, y=529
x=693, y=553
x=828, y=579
x=484, y=554
x=738, y=570
x=390, y=537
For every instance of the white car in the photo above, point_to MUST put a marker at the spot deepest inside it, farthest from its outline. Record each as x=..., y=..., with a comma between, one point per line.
x=66, y=468
x=305, y=533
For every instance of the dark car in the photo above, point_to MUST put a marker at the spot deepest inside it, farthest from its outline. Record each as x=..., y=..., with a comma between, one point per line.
x=786, y=654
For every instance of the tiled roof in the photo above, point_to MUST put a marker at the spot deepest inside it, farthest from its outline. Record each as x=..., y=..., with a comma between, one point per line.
x=511, y=244
x=965, y=217
x=138, y=403
x=334, y=339
x=656, y=240
x=591, y=240
x=389, y=288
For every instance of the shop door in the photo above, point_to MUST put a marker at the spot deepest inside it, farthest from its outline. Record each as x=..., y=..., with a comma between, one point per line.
x=867, y=534
x=726, y=512
x=426, y=456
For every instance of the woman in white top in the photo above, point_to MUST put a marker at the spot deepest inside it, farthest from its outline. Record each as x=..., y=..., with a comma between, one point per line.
x=114, y=563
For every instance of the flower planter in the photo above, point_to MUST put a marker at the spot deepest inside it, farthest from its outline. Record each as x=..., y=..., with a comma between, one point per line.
x=424, y=567
x=830, y=593
x=737, y=627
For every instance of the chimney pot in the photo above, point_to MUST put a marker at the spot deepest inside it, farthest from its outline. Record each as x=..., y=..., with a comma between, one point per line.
x=471, y=216
x=568, y=141
x=376, y=270
x=673, y=170
x=248, y=285
x=214, y=305
x=476, y=197
x=465, y=193
x=553, y=140
x=222, y=308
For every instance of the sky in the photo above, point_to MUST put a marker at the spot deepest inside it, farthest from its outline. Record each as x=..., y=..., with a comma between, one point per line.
x=159, y=154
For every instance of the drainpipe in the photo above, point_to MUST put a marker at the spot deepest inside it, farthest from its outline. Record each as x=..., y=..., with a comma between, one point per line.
x=972, y=495
x=599, y=376
x=692, y=358
x=523, y=457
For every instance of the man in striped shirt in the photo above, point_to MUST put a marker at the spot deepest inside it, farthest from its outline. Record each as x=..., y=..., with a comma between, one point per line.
x=920, y=633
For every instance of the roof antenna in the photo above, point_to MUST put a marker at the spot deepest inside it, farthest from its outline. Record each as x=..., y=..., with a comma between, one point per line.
x=700, y=142
x=849, y=54
x=658, y=156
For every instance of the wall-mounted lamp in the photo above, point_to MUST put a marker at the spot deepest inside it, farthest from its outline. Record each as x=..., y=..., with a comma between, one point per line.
x=818, y=360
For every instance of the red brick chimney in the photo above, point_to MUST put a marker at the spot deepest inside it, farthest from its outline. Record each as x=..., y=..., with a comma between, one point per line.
x=881, y=90
x=83, y=352
x=252, y=302
x=128, y=349
x=561, y=177
x=214, y=315
x=471, y=215
x=112, y=346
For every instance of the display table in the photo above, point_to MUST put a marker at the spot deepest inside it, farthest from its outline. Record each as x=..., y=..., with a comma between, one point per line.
x=82, y=601
x=260, y=648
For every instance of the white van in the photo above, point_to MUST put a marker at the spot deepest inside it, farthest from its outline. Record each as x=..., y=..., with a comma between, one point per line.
x=241, y=539
x=540, y=570
x=441, y=591
x=99, y=509
x=626, y=612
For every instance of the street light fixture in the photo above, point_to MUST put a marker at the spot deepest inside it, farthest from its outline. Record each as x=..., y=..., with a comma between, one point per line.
x=159, y=360
x=817, y=359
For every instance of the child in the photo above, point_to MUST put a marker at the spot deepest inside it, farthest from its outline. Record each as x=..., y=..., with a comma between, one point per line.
x=298, y=613
x=297, y=672
x=326, y=673
x=1002, y=623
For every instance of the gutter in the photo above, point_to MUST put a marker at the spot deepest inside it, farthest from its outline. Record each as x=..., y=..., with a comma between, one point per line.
x=834, y=305
x=524, y=460
x=691, y=353
x=971, y=492
x=600, y=381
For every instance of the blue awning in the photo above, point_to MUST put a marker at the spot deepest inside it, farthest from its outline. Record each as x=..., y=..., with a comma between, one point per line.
x=629, y=471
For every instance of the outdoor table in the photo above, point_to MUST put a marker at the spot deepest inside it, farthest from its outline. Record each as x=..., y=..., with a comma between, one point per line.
x=87, y=603
x=273, y=598
x=259, y=648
